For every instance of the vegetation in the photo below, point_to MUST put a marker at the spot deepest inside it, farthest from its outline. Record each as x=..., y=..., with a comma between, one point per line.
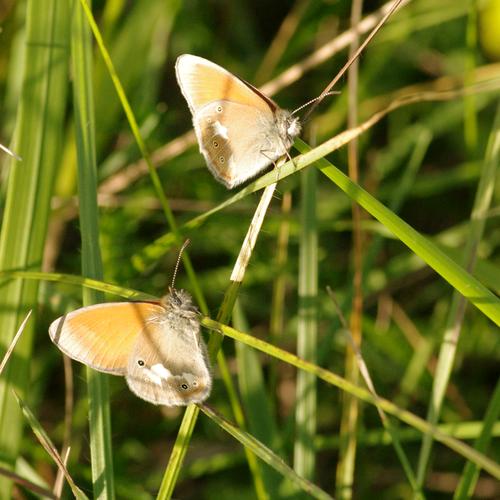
x=381, y=233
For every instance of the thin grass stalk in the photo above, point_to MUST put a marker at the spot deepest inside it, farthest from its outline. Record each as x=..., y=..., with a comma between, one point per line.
x=266, y=455
x=447, y=352
x=363, y=394
x=47, y=444
x=458, y=277
x=381, y=437
x=364, y=372
x=304, y=454
x=239, y=415
x=39, y=128
x=350, y=407
x=277, y=319
x=69, y=403
x=32, y=487
x=470, y=110
x=225, y=311
x=197, y=292
x=470, y=475
x=281, y=40
x=15, y=340
x=437, y=122
x=99, y=410
x=256, y=401
x=398, y=196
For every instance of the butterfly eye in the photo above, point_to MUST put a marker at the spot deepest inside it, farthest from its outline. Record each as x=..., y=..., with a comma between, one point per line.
x=140, y=362
x=219, y=109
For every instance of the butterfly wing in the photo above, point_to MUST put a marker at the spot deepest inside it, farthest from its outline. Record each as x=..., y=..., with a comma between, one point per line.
x=236, y=125
x=102, y=336
x=202, y=82
x=168, y=365
x=237, y=141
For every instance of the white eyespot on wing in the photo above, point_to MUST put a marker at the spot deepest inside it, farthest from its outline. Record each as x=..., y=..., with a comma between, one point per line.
x=161, y=371
x=152, y=376
x=219, y=129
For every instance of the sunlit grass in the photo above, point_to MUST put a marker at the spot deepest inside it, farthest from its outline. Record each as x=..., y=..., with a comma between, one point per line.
x=270, y=429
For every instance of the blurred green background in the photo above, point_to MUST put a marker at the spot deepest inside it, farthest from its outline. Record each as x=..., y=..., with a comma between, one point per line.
x=423, y=160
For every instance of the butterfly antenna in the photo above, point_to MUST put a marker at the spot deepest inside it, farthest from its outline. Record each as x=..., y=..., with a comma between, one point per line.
x=346, y=66
x=308, y=103
x=176, y=268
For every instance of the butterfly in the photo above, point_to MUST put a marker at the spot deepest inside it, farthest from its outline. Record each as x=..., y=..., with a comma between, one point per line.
x=240, y=131
x=156, y=346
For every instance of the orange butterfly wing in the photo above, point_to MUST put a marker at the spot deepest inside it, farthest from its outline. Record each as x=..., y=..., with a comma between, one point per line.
x=102, y=336
x=203, y=82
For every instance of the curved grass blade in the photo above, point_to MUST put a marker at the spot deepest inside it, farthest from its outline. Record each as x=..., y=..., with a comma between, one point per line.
x=456, y=275
x=72, y=279
x=405, y=416
x=448, y=349
x=468, y=481
x=49, y=447
x=264, y=453
x=145, y=258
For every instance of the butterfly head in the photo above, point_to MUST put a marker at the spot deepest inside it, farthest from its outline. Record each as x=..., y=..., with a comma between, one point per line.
x=179, y=300
x=288, y=127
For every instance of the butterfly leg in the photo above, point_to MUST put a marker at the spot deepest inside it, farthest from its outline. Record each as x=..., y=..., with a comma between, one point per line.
x=277, y=163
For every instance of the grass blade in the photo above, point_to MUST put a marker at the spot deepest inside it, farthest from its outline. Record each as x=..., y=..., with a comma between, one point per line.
x=405, y=416
x=256, y=401
x=468, y=481
x=453, y=327
x=39, y=129
x=49, y=447
x=266, y=454
x=456, y=275
x=304, y=458
x=98, y=392
x=224, y=315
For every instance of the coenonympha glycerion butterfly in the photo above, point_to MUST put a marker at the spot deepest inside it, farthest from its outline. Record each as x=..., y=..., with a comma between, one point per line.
x=240, y=131
x=156, y=346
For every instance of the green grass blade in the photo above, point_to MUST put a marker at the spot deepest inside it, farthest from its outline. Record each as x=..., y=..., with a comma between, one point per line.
x=456, y=275
x=304, y=458
x=178, y=453
x=266, y=454
x=405, y=416
x=39, y=128
x=224, y=315
x=97, y=383
x=45, y=441
x=451, y=336
x=155, y=179
x=470, y=475
x=256, y=401
x=72, y=279
x=376, y=437
x=439, y=122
